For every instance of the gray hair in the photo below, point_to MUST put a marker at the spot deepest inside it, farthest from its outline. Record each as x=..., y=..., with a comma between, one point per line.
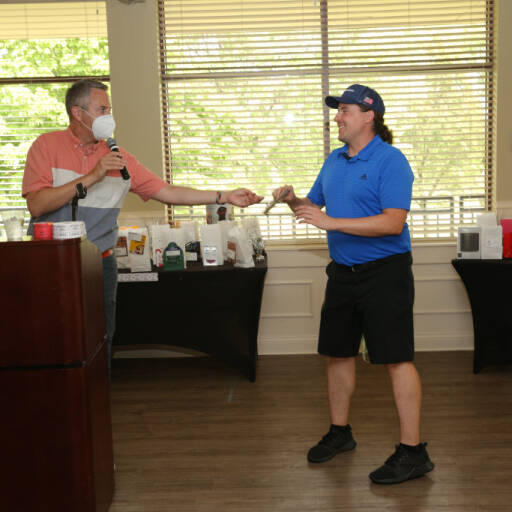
x=79, y=92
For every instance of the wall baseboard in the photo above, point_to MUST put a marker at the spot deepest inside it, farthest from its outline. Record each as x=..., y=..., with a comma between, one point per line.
x=305, y=345
x=423, y=343
x=430, y=342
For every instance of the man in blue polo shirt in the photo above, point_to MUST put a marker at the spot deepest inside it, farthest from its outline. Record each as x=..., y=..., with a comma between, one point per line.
x=366, y=188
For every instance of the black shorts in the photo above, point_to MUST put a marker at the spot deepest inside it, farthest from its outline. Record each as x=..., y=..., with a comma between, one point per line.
x=374, y=300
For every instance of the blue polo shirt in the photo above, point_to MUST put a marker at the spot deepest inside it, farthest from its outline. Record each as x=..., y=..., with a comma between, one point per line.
x=378, y=177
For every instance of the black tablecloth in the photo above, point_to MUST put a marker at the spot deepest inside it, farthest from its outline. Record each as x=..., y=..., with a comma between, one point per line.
x=210, y=309
x=489, y=285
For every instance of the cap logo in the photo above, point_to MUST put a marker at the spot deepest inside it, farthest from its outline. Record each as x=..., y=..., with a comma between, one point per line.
x=368, y=100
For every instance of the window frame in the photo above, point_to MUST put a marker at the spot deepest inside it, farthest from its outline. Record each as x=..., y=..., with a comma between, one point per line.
x=433, y=216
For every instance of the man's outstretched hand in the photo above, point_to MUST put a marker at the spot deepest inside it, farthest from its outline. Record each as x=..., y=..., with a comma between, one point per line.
x=241, y=197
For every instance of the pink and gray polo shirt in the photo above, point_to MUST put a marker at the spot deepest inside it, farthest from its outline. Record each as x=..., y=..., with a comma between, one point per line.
x=56, y=158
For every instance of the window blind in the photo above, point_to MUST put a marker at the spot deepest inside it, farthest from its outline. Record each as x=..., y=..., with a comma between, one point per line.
x=243, y=84
x=44, y=47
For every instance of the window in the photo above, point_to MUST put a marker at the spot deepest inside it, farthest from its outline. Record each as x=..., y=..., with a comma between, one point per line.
x=44, y=47
x=243, y=83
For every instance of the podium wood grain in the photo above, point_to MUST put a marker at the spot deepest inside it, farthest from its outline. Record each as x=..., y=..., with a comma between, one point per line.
x=55, y=403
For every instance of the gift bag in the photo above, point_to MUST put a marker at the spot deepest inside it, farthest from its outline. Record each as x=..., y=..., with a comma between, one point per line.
x=138, y=250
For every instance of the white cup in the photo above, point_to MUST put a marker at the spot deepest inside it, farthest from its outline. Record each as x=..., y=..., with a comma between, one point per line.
x=13, y=223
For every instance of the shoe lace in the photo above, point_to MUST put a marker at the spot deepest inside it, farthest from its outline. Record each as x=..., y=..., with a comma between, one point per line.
x=331, y=438
x=398, y=457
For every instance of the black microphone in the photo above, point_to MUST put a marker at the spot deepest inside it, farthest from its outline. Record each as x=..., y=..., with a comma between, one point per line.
x=112, y=145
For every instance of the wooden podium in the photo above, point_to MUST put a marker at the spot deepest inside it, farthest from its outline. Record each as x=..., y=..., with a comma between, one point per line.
x=55, y=421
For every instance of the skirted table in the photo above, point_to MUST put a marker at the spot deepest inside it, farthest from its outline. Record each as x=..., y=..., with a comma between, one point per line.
x=212, y=309
x=489, y=284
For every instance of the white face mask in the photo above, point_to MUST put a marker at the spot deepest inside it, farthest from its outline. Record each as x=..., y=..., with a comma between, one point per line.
x=102, y=126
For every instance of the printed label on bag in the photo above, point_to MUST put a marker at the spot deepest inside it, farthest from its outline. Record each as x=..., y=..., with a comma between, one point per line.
x=137, y=245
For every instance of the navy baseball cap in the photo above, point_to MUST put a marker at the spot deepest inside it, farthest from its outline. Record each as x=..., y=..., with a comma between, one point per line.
x=360, y=95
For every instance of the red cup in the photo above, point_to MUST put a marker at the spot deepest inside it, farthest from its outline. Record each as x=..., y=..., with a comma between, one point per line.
x=43, y=230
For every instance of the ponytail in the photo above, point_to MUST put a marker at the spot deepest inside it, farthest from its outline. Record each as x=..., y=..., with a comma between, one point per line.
x=381, y=129
x=378, y=125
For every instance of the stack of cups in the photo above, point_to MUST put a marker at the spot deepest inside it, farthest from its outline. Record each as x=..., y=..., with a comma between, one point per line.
x=13, y=223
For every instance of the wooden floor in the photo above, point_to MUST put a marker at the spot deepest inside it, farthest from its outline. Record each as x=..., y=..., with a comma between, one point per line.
x=194, y=435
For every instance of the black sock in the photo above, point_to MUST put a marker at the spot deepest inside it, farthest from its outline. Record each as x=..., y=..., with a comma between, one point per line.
x=340, y=428
x=413, y=449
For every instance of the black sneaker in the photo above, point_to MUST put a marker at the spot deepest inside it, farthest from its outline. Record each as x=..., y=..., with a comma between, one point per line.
x=403, y=465
x=337, y=440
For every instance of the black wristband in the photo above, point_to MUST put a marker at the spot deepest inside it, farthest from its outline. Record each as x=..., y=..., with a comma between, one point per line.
x=81, y=191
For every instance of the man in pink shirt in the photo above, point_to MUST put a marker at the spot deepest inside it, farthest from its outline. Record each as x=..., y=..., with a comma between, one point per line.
x=63, y=162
